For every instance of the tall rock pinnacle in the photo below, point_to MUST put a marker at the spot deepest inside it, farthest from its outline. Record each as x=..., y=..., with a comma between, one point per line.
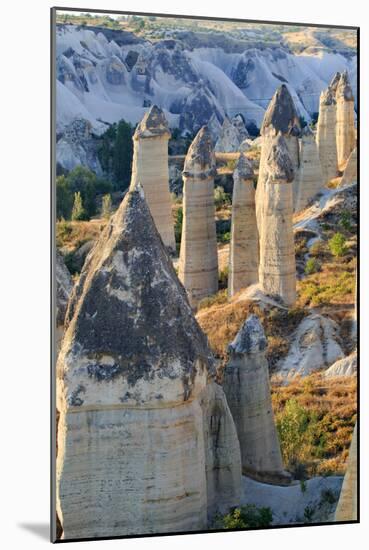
x=347, y=505
x=244, y=249
x=64, y=287
x=198, y=262
x=277, y=270
x=345, y=120
x=247, y=388
x=310, y=173
x=150, y=168
x=326, y=134
x=136, y=395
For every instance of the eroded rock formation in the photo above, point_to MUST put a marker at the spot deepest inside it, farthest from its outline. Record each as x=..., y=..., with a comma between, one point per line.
x=347, y=505
x=343, y=367
x=146, y=441
x=64, y=287
x=229, y=138
x=244, y=248
x=246, y=385
x=310, y=178
x=150, y=169
x=326, y=134
x=277, y=270
x=198, y=262
x=350, y=173
x=345, y=120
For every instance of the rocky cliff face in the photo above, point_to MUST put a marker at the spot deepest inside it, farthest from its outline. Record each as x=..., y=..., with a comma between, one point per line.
x=142, y=444
x=64, y=287
x=310, y=176
x=326, y=134
x=347, y=505
x=345, y=120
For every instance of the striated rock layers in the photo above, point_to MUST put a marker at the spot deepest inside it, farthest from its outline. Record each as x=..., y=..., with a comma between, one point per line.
x=345, y=120
x=326, y=134
x=310, y=178
x=150, y=169
x=277, y=269
x=280, y=117
x=64, y=287
x=198, y=261
x=244, y=249
x=347, y=505
x=146, y=441
x=350, y=173
x=246, y=385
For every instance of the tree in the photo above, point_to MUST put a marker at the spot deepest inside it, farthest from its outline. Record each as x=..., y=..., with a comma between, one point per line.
x=78, y=212
x=122, y=155
x=337, y=245
x=106, y=206
x=64, y=198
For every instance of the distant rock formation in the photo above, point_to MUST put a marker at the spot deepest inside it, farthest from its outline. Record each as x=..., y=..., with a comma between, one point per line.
x=146, y=441
x=350, y=173
x=326, y=135
x=343, y=367
x=247, y=388
x=214, y=127
x=277, y=270
x=77, y=146
x=310, y=173
x=198, y=262
x=345, y=120
x=239, y=123
x=347, y=505
x=64, y=287
x=244, y=247
x=315, y=345
x=150, y=169
x=229, y=138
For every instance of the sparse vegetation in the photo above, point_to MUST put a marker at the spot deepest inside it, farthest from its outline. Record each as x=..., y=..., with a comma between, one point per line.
x=78, y=212
x=245, y=517
x=337, y=245
x=312, y=266
x=221, y=198
x=106, y=207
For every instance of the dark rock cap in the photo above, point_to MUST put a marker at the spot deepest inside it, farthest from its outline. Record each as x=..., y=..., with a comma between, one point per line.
x=250, y=338
x=129, y=306
x=281, y=114
x=153, y=124
x=243, y=168
x=200, y=159
x=334, y=82
x=279, y=163
x=344, y=89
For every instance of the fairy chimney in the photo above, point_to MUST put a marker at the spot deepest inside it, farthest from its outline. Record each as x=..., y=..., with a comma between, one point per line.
x=247, y=388
x=310, y=173
x=64, y=287
x=345, y=120
x=244, y=248
x=347, y=505
x=350, y=173
x=146, y=441
x=150, y=169
x=198, y=261
x=326, y=135
x=277, y=270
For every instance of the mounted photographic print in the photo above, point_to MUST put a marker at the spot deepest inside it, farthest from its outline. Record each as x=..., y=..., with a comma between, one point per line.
x=204, y=274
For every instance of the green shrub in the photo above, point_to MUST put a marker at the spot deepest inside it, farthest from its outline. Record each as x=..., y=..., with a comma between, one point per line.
x=221, y=198
x=345, y=220
x=224, y=238
x=312, y=266
x=78, y=212
x=106, y=206
x=337, y=245
x=223, y=278
x=247, y=517
x=178, y=225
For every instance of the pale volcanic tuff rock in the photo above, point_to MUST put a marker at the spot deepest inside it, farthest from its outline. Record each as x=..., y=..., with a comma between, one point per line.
x=141, y=440
x=64, y=287
x=310, y=178
x=277, y=269
x=229, y=138
x=150, y=169
x=214, y=127
x=347, y=505
x=244, y=248
x=345, y=120
x=343, y=367
x=350, y=173
x=239, y=123
x=247, y=388
x=326, y=135
x=198, y=261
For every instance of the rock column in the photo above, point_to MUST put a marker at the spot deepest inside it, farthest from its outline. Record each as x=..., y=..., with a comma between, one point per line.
x=244, y=249
x=345, y=120
x=277, y=270
x=350, y=173
x=150, y=169
x=310, y=173
x=64, y=287
x=198, y=262
x=247, y=388
x=326, y=135
x=347, y=505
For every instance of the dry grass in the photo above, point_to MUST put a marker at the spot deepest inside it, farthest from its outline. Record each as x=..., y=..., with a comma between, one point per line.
x=71, y=235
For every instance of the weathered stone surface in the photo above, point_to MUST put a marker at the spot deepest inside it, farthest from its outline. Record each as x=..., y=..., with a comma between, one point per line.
x=229, y=138
x=326, y=135
x=214, y=127
x=343, y=367
x=345, y=120
x=132, y=374
x=239, y=123
x=246, y=386
x=277, y=270
x=347, y=505
x=350, y=173
x=198, y=262
x=244, y=248
x=64, y=287
x=310, y=178
x=315, y=345
x=150, y=169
